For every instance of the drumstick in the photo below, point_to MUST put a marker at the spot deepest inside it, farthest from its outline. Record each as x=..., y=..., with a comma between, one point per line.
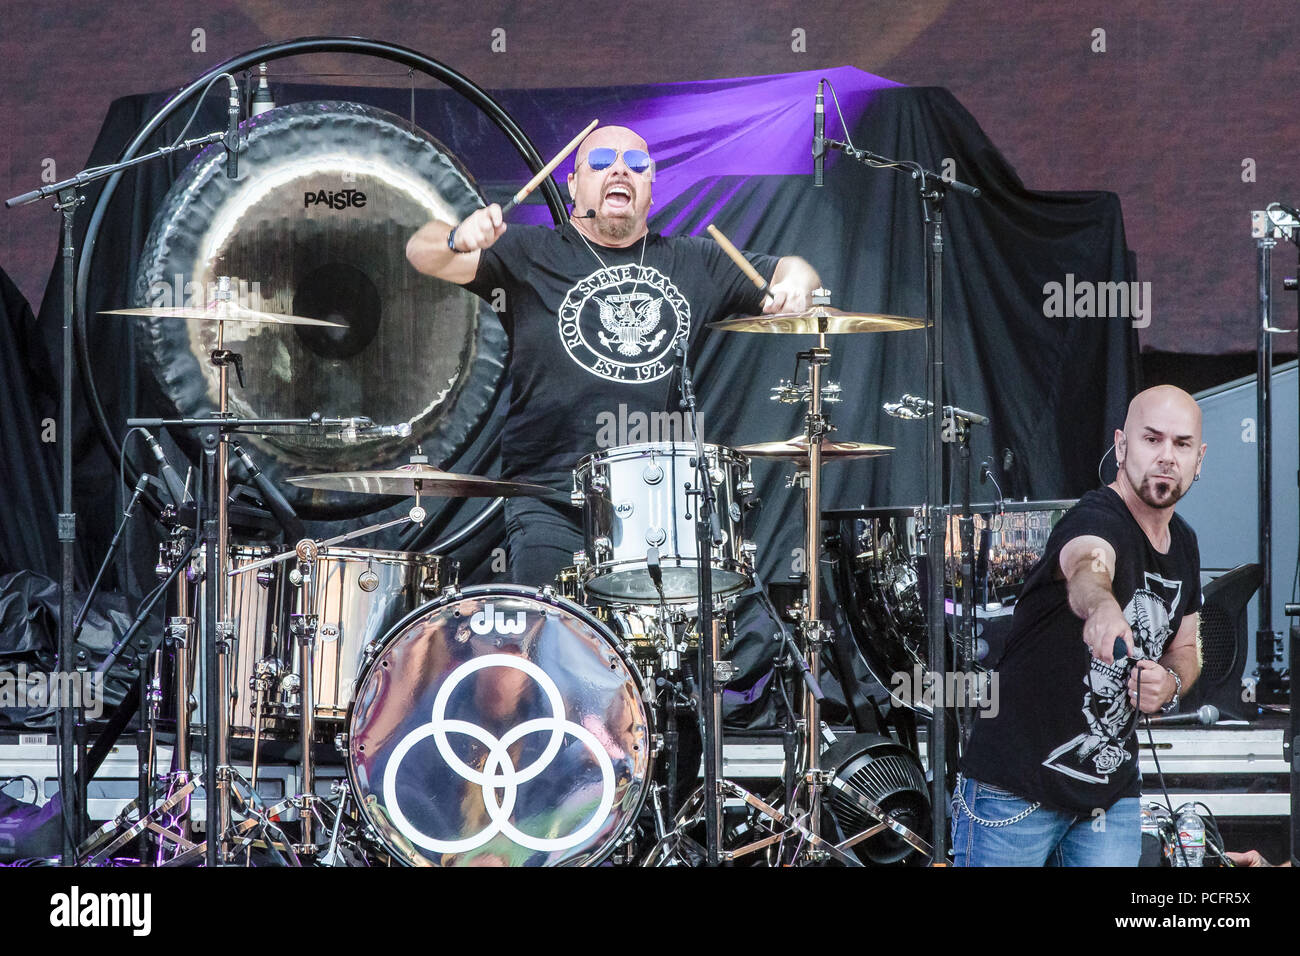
x=547, y=169
x=740, y=260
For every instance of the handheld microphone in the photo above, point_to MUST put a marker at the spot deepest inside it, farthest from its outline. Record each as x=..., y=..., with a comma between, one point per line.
x=232, y=132
x=1207, y=715
x=819, y=135
x=282, y=511
x=175, y=487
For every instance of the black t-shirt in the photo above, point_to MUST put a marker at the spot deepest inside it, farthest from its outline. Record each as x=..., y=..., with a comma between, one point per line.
x=1056, y=737
x=592, y=344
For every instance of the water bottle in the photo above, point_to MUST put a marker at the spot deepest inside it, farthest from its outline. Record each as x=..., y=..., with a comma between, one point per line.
x=1191, y=834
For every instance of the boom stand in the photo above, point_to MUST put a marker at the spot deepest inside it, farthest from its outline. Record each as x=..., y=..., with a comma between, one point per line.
x=933, y=189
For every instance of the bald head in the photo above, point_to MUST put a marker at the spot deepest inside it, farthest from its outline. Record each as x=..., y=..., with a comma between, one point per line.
x=1163, y=402
x=1159, y=451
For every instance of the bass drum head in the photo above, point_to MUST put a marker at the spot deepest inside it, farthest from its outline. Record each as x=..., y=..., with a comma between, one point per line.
x=499, y=727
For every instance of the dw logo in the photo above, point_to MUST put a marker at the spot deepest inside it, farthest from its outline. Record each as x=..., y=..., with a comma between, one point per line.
x=490, y=619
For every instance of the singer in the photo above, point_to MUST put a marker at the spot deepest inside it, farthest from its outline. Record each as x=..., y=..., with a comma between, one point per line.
x=1053, y=778
x=593, y=311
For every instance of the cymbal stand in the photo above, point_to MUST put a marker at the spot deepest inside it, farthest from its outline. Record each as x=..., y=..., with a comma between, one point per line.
x=707, y=536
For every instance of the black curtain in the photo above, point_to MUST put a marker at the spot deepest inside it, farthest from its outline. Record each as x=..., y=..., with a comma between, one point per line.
x=1053, y=387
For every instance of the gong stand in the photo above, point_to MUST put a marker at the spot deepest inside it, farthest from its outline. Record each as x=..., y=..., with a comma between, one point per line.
x=67, y=197
x=933, y=189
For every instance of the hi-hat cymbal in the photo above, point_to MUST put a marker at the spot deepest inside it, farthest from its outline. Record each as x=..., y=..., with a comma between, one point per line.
x=229, y=312
x=416, y=478
x=796, y=449
x=817, y=320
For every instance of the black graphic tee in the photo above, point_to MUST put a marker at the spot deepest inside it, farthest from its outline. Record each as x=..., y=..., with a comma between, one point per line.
x=1063, y=733
x=587, y=338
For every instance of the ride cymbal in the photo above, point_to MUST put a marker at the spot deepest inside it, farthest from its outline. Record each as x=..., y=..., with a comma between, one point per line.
x=796, y=449
x=820, y=319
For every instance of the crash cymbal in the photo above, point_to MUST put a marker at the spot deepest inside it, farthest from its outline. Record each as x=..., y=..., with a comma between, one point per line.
x=819, y=319
x=216, y=312
x=407, y=480
x=796, y=448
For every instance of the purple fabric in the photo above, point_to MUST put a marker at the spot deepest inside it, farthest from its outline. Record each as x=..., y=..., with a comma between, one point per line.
x=744, y=126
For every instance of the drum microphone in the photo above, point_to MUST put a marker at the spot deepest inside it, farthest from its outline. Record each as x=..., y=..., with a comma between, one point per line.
x=232, y=131
x=656, y=572
x=352, y=429
x=819, y=135
x=281, y=510
x=901, y=410
x=175, y=487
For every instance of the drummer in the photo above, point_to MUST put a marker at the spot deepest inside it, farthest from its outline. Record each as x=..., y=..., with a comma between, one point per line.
x=593, y=310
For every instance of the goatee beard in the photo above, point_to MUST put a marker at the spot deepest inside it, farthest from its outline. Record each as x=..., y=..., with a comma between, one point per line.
x=616, y=229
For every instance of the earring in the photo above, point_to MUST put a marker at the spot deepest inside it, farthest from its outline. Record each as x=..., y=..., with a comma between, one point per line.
x=1196, y=477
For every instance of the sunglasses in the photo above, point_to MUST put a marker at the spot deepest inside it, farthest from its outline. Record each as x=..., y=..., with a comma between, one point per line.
x=603, y=157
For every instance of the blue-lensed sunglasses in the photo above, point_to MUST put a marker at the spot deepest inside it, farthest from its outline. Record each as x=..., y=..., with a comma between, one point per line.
x=603, y=157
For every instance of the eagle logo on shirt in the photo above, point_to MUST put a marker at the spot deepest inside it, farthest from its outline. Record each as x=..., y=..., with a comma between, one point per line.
x=620, y=322
x=630, y=319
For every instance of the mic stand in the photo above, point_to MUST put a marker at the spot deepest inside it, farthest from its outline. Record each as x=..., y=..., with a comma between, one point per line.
x=67, y=197
x=933, y=189
x=706, y=533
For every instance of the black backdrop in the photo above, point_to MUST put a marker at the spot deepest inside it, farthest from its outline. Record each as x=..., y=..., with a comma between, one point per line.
x=1053, y=387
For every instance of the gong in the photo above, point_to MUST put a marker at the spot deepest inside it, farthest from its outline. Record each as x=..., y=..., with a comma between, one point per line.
x=316, y=224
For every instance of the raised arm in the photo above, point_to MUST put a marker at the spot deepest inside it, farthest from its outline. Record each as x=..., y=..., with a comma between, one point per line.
x=428, y=251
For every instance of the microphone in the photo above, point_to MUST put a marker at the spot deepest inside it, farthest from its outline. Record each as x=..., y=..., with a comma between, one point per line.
x=656, y=572
x=589, y=214
x=1206, y=715
x=232, y=132
x=353, y=429
x=283, y=512
x=819, y=135
x=262, y=98
x=175, y=487
x=900, y=410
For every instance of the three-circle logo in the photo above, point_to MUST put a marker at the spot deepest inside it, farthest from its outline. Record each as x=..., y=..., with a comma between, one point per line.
x=499, y=774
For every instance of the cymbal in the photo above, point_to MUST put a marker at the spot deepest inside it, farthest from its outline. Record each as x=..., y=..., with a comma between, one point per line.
x=229, y=312
x=796, y=448
x=819, y=319
x=407, y=480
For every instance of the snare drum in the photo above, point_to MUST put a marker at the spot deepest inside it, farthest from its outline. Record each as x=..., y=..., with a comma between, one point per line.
x=638, y=497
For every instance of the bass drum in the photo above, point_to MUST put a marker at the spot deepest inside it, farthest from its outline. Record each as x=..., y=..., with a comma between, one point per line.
x=499, y=726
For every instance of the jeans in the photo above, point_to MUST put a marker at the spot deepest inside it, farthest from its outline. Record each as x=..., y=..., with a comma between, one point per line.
x=541, y=537
x=1040, y=837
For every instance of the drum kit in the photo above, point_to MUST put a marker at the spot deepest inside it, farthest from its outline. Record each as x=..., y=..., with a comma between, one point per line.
x=491, y=724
